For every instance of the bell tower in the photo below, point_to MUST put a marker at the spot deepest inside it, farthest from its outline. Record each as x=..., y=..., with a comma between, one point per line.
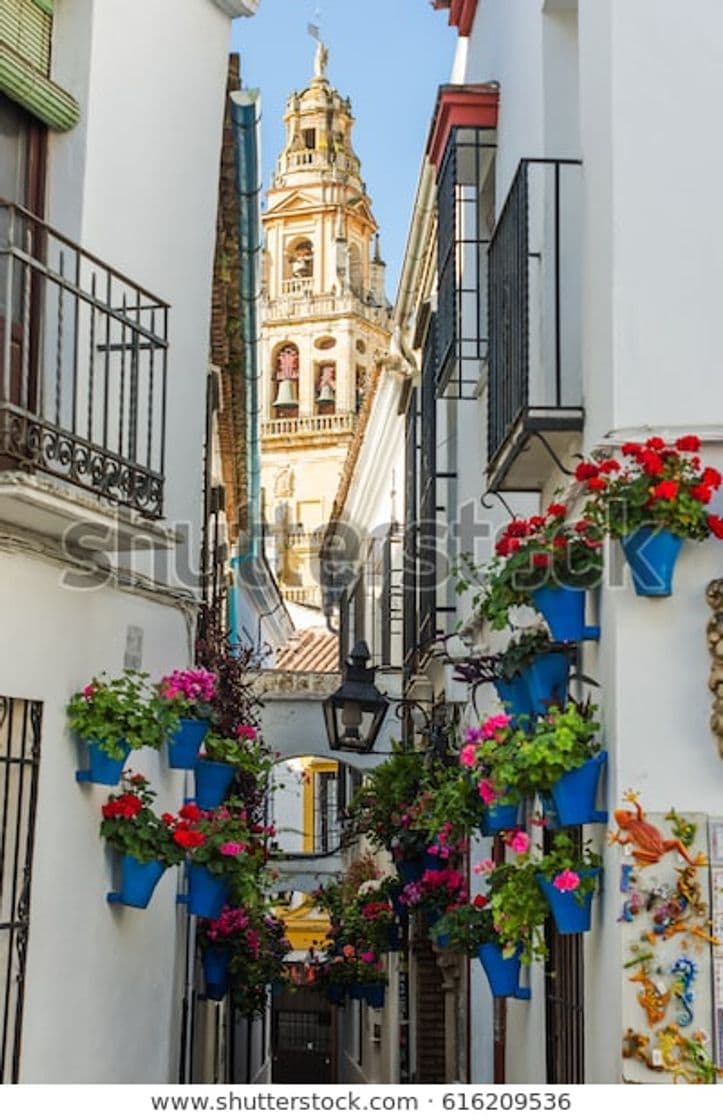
x=324, y=322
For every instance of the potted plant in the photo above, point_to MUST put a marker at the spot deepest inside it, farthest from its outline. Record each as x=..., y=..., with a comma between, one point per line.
x=532, y=672
x=217, y=939
x=568, y=875
x=143, y=839
x=463, y=928
x=545, y=562
x=223, y=855
x=187, y=694
x=114, y=717
x=436, y=892
x=558, y=755
x=258, y=961
x=480, y=753
x=222, y=758
x=518, y=905
x=652, y=499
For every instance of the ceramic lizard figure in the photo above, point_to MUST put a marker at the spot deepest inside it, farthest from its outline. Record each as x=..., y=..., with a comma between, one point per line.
x=650, y=844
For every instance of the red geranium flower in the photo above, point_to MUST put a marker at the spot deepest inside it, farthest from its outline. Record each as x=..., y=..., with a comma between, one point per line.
x=479, y=901
x=655, y=443
x=632, y=449
x=712, y=477
x=701, y=493
x=597, y=484
x=536, y=522
x=556, y=510
x=190, y=813
x=609, y=466
x=559, y=542
x=516, y=528
x=652, y=464
x=666, y=491
x=540, y=560
x=189, y=838
x=715, y=524
x=585, y=471
x=688, y=443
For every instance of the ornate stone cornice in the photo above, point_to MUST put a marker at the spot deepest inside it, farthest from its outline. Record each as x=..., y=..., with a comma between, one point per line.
x=714, y=634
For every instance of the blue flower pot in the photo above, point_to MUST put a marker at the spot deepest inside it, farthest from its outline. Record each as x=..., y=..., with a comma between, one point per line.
x=138, y=881
x=575, y=793
x=336, y=994
x=356, y=990
x=495, y=818
x=514, y=695
x=563, y=609
x=207, y=893
x=215, y=962
x=410, y=870
x=570, y=915
x=546, y=678
x=374, y=994
x=103, y=770
x=184, y=744
x=213, y=781
x=651, y=554
x=503, y=974
x=434, y=863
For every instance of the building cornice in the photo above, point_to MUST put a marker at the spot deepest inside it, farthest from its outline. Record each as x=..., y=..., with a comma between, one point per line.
x=461, y=13
x=235, y=8
x=470, y=106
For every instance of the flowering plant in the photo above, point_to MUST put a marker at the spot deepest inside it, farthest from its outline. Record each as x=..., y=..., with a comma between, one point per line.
x=132, y=828
x=436, y=890
x=653, y=483
x=566, y=859
x=245, y=750
x=256, y=939
x=467, y=926
x=533, y=553
x=511, y=762
x=188, y=692
x=119, y=713
x=386, y=807
x=223, y=841
x=524, y=646
x=354, y=964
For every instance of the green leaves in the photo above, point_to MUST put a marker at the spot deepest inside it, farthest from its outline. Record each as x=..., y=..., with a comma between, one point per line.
x=119, y=712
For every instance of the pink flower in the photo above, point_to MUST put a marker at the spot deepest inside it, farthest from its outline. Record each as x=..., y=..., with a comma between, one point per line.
x=484, y=867
x=487, y=791
x=567, y=880
x=231, y=848
x=468, y=755
x=89, y=691
x=246, y=731
x=520, y=842
x=369, y=957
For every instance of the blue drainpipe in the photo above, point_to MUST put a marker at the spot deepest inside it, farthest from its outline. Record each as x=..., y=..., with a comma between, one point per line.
x=245, y=116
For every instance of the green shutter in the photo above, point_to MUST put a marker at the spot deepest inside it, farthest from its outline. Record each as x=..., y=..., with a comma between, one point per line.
x=26, y=28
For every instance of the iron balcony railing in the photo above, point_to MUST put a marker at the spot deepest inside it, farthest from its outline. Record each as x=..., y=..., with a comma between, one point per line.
x=534, y=298
x=83, y=367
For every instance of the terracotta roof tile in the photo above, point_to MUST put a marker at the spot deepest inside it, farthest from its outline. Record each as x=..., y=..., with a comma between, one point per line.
x=315, y=650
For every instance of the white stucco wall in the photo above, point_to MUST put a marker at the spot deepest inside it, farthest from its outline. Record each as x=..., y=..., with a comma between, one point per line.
x=102, y=1000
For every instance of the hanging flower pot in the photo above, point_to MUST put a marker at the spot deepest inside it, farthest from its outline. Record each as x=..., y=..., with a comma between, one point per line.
x=651, y=553
x=503, y=973
x=336, y=994
x=213, y=781
x=433, y=862
x=570, y=914
x=546, y=680
x=138, y=881
x=575, y=793
x=356, y=990
x=215, y=962
x=563, y=609
x=207, y=893
x=514, y=695
x=410, y=870
x=374, y=994
x=184, y=744
x=103, y=770
x=495, y=818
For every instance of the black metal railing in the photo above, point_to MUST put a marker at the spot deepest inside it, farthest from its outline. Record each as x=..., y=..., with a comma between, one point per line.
x=83, y=365
x=20, y=722
x=534, y=297
x=370, y=607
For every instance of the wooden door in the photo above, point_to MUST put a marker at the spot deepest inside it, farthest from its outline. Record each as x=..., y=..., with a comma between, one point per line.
x=302, y=1039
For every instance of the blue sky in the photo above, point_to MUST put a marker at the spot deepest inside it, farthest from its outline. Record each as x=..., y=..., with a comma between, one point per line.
x=388, y=56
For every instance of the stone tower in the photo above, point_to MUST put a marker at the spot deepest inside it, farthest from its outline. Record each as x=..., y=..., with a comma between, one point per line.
x=324, y=323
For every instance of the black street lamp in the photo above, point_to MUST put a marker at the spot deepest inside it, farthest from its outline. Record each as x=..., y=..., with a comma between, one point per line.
x=355, y=712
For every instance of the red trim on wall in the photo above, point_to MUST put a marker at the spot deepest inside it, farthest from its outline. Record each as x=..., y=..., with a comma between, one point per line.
x=461, y=13
x=473, y=106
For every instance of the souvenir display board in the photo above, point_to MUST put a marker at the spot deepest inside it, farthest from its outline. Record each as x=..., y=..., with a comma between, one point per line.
x=668, y=941
x=715, y=829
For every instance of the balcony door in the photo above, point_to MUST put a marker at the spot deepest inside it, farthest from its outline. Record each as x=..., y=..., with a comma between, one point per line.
x=22, y=182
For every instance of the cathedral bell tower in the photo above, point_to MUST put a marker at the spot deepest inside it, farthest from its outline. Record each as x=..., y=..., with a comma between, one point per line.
x=324, y=323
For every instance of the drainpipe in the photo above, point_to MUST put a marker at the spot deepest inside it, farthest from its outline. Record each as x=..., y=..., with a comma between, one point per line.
x=245, y=117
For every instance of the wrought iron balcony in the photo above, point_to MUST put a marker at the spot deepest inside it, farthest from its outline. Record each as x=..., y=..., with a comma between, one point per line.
x=83, y=365
x=535, y=377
